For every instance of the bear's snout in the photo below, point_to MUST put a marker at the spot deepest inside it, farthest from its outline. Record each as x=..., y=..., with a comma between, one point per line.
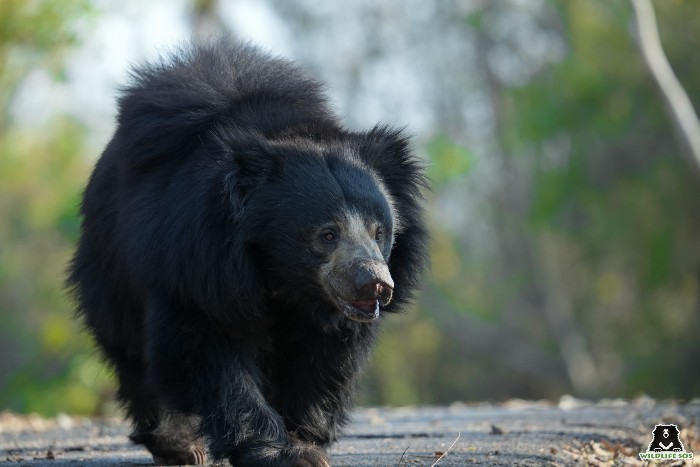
x=359, y=287
x=373, y=281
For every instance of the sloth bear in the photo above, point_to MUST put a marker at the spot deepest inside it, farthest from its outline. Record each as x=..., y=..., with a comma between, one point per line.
x=666, y=438
x=238, y=250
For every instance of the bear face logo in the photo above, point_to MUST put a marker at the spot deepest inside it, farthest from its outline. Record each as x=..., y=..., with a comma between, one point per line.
x=666, y=438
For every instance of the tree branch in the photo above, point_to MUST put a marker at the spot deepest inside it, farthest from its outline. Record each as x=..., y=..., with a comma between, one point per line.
x=682, y=112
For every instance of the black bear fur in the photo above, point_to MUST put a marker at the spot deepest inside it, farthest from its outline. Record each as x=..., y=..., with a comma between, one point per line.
x=237, y=245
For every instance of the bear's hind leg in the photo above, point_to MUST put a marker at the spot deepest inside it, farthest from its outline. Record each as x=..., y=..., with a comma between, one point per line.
x=175, y=441
x=171, y=438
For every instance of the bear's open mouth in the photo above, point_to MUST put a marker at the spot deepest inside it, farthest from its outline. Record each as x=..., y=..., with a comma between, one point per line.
x=362, y=311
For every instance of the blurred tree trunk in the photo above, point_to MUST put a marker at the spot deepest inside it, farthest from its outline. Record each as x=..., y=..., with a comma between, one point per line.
x=206, y=21
x=544, y=297
x=676, y=99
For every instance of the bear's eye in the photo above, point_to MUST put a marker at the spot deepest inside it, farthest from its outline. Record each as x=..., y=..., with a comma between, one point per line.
x=328, y=236
x=379, y=235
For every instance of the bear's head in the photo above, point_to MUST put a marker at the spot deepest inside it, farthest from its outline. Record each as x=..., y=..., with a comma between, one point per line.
x=332, y=222
x=666, y=438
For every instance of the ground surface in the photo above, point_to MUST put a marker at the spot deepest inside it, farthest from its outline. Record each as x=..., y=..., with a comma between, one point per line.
x=516, y=433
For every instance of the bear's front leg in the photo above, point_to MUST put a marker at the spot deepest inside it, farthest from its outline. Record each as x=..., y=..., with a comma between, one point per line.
x=314, y=377
x=197, y=368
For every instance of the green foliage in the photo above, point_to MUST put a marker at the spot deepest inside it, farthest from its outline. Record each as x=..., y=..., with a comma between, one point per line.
x=595, y=223
x=405, y=369
x=619, y=198
x=41, y=171
x=41, y=175
x=40, y=25
x=448, y=160
x=35, y=33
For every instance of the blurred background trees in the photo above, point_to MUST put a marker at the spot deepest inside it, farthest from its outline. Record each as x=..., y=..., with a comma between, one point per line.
x=565, y=215
x=45, y=365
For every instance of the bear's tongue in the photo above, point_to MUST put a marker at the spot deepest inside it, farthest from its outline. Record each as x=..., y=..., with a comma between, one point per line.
x=366, y=306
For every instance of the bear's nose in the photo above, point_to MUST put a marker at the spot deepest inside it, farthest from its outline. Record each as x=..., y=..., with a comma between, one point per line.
x=372, y=280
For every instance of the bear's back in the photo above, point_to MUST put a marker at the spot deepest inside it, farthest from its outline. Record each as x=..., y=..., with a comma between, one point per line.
x=170, y=103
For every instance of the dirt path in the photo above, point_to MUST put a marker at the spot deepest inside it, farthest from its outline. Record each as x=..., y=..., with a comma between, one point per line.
x=516, y=433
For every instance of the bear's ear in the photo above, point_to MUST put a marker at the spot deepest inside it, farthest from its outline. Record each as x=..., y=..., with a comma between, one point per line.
x=248, y=167
x=386, y=150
